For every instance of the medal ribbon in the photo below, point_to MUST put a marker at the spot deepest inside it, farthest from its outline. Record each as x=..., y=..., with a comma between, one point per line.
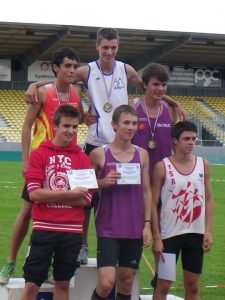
x=149, y=122
x=57, y=93
x=107, y=91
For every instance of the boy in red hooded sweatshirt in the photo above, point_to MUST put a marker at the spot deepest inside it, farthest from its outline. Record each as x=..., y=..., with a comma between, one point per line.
x=57, y=211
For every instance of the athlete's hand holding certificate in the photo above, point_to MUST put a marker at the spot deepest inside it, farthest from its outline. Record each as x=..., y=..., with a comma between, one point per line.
x=82, y=178
x=130, y=173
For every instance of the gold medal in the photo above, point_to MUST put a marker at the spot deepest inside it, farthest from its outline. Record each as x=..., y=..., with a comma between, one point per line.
x=107, y=107
x=152, y=144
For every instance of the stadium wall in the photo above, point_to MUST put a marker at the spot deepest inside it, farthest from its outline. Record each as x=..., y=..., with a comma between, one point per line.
x=215, y=155
x=20, y=75
x=10, y=152
x=196, y=91
x=189, y=91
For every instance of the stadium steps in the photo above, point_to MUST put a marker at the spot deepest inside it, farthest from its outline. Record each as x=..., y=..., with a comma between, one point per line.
x=217, y=104
x=217, y=122
x=203, y=114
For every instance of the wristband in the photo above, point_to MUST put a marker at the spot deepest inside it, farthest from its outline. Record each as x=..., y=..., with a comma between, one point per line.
x=147, y=221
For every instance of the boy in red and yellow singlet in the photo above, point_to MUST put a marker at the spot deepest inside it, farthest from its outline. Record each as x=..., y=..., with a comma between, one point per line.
x=64, y=65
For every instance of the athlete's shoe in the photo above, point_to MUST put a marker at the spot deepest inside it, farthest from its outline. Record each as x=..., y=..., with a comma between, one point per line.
x=83, y=255
x=6, y=272
x=50, y=278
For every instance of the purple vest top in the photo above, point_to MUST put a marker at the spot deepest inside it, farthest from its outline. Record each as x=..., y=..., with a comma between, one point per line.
x=162, y=134
x=119, y=213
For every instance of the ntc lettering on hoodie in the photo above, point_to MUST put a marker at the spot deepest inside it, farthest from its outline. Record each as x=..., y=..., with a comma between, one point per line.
x=47, y=169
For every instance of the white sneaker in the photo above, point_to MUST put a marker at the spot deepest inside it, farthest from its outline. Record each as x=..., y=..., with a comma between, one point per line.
x=83, y=255
x=6, y=272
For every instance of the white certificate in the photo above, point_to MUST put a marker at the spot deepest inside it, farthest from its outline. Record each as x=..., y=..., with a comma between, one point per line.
x=167, y=269
x=82, y=178
x=130, y=173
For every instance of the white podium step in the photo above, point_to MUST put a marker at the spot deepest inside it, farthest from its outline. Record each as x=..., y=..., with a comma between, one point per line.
x=81, y=285
x=86, y=279
x=12, y=290
x=169, y=297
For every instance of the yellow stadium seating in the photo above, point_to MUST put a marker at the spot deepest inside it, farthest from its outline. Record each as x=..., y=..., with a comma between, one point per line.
x=13, y=110
x=206, y=112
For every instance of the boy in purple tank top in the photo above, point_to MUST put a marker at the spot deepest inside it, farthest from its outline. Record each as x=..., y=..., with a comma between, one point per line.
x=155, y=116
x=123, y=214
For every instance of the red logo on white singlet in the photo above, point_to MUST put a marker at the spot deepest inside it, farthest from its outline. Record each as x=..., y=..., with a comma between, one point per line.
x=188, y=204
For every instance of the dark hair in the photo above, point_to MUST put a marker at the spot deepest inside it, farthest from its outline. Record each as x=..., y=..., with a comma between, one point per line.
x=65, y=110
x=58, y=56
x=127, y=109
x=180, y=127
x=155, y=70
x=107, y=33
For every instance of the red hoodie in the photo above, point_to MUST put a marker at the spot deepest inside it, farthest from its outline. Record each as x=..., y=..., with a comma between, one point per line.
x=47, y=169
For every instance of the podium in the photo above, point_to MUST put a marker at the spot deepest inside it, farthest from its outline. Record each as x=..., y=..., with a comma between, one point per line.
x=169, y=297
x=86, y=280
x=12, y=290
x=81, y=285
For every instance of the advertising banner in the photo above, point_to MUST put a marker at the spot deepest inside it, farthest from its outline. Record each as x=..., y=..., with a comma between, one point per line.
x=40, y=70
x=5, y=70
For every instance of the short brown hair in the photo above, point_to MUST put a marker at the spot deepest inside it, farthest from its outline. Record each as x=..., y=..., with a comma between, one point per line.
x=107, y=33
x=155, y=70
x=65, y=110
x=127, y=109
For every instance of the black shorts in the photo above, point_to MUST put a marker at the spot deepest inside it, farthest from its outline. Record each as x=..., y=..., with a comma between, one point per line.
x=63, y=247
x=119, y=252
x=88, y=148
x=190, y=246
x=25, y=195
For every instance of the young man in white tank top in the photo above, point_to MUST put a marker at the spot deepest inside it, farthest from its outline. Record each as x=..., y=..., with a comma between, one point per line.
x=184, y=224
